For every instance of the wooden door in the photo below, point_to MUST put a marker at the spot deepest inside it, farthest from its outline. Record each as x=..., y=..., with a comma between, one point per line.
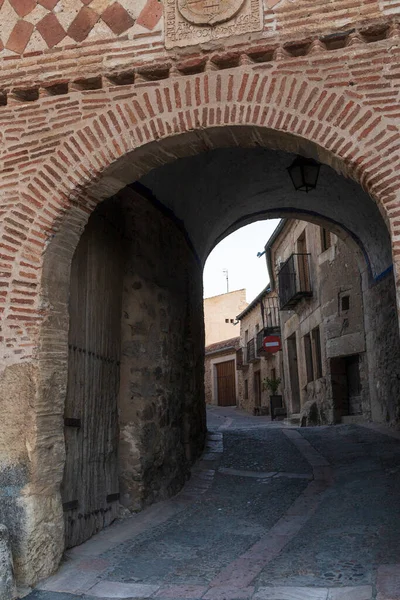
x=90, y=484
x=340, y=395
x=226, y=386
x=293, y=374
x=257, y=388
x=353, y=384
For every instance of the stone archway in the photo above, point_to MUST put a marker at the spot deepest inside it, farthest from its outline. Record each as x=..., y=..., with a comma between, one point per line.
x=157, y=125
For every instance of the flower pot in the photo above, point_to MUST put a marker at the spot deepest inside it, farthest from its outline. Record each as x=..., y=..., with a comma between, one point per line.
x=277, y=407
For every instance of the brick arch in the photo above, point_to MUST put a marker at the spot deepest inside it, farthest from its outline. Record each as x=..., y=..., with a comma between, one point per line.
x=147, y=127
x=182, y=116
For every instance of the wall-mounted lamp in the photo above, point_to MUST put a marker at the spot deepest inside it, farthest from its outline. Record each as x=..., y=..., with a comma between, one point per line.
x=260, y=254
x=304, y=173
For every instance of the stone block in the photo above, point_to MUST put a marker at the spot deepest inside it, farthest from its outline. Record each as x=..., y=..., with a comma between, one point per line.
x=20, y=36
x=50, y=30
x=23, y=7
x=291, y=593
x=117, y=18
x=113, y=589
x=83, y=23
x=362, y=592
x=150, y=15
x=388, y=582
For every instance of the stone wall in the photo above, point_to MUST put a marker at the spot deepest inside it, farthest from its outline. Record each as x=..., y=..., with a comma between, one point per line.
x=334, y=273
x=383, y=349
x=264, y=364
x=368, y=328
x=161, y=402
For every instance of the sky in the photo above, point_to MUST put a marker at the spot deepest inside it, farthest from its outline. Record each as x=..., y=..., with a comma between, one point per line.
x=238, y=254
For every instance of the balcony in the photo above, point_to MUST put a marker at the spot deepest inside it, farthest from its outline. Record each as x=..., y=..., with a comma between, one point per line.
x=294, y=281
x=260, y=339
x=251, y=354
x=271, y=316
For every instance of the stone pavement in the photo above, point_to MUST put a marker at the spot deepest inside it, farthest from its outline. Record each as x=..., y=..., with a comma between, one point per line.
x=270, y=513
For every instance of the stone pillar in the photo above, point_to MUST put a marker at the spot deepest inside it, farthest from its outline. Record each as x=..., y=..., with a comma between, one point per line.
x=161, y=400
x=7, y=584
x=383, y=348
x=31, y=453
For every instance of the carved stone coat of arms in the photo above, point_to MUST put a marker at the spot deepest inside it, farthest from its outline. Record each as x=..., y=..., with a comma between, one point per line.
x=189, y=22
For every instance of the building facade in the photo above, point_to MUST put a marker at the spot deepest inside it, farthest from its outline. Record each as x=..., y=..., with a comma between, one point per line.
x=223, y=386
x=322, y=323
x=260, y=318
x=220, y=315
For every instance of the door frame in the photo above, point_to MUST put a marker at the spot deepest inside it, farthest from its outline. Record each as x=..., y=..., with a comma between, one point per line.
x=214, y=383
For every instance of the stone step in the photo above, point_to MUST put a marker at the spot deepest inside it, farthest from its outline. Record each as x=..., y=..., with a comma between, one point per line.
x=353, y=419
x=293, y=419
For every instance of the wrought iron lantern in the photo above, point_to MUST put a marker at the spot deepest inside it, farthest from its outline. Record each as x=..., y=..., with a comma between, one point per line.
x=304, y=173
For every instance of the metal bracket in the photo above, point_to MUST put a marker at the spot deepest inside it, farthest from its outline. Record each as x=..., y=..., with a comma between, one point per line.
x=70, y=505
x=72, y=422
x=112, y=497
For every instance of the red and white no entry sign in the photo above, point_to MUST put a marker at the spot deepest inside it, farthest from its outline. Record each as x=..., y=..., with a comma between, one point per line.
x=272, y=343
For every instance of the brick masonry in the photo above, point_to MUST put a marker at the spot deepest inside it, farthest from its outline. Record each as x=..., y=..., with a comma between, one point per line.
x=76, y=21
x=91, y=100
x=59, y=146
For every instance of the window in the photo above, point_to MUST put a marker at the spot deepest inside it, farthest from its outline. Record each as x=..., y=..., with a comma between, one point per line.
x=226, y=320
x=246, y=336
x=246, y=389
x=326, y=241
x=302, y=243
x=316, y=343
x=232, y=320
x=257, y=328
x=345, y=303
x=309, y=358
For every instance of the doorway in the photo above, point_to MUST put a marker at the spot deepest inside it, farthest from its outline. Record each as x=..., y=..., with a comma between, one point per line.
x=90, y=483
x=226, y=384
x=293, y=373
x=346, y=386
x=257, y=388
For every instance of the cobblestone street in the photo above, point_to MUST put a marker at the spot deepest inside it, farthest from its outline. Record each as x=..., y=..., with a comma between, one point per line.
x=270, y=513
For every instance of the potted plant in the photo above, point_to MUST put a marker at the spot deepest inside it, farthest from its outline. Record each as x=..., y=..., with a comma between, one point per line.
x=275, y=400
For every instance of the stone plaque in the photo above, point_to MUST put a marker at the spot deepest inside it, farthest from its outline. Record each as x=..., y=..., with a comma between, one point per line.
x=189, y=22
x=209, y=12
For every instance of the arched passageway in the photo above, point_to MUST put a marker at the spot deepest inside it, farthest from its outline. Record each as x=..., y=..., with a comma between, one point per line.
x=167, y=223
x=170, y=217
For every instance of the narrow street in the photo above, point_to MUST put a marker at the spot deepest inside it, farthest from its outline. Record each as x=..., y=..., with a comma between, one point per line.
x=270, y=513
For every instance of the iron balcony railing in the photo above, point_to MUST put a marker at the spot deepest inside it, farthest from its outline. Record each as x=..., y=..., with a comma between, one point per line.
x=294, y=281
x=259, y=343
x=270, y=316
x=270, y=311
x=251, y=351
x=260, y=340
